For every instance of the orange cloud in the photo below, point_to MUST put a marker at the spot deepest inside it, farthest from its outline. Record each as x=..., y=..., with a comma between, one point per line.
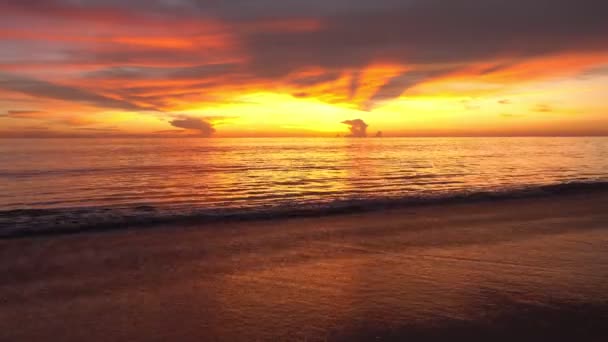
x=167, y=57
x=27, y=114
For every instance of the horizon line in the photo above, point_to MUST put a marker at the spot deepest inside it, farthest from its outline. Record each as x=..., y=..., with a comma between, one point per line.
x=307, y=137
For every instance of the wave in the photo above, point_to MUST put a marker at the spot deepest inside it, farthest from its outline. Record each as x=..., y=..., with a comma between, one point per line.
x=193, y=168
x=27, y=222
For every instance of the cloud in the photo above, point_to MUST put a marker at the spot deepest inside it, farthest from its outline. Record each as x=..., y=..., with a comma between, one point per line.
x=201, y=126
x=413, y=31
x=433, y=32
x=594, y=72
x=196, y=72
x=308, y=81
x=25, y=114
x=301, y=94
x=543, y=108
x=399, y=84
x=77, y=121
x=233, y=44
x=504, y=102
x=357, y=127
x=39, y=88
x=66, y=120
x=355, y=82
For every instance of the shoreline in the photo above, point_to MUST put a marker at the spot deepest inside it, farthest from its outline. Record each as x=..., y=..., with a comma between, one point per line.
x=527, y=268
x=58, y=221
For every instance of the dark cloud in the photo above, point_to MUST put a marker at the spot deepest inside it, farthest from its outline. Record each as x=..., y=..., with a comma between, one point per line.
x=301, y=94
x=399, y=84
x=355, y=31
x=227, y=9
x=497, y=67
x=355, y=82
x=425, y=31
x=130, y=56
x=169, y=73
x=308, y=81
x=504, y=102
x=201, y=126
x=157, y=95
x=39, y=88
x=433, y=34
x=431, y=37
x=357, y=127
x=239, y=9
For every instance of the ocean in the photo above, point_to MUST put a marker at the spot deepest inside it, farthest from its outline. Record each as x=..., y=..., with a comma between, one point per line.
x=57, y=185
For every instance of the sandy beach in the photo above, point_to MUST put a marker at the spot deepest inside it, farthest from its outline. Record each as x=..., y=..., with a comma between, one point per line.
x=530, y=269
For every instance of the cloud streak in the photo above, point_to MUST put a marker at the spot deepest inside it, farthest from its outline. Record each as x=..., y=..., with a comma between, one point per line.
x=399, y=84
x=25, y=114
x=38, y=88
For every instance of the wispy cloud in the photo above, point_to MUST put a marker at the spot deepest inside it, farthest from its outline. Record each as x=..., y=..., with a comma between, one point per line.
x=399, y=84
x=25, y=114
x=39, y=88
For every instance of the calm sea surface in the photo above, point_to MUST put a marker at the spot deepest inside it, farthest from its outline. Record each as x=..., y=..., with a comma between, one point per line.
x=182, y=176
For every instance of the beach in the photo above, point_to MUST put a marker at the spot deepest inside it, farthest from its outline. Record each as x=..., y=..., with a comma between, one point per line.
x=191, y=170
x=529, y=269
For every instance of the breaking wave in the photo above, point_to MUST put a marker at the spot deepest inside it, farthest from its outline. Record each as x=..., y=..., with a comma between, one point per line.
x=23, y=222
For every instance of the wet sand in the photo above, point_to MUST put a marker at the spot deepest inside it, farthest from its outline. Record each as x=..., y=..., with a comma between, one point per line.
x=527, y=269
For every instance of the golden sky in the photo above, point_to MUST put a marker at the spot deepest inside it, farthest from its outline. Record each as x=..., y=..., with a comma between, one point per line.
x=171, y=68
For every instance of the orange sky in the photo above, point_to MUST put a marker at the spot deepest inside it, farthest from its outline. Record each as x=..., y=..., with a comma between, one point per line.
x=302, y=68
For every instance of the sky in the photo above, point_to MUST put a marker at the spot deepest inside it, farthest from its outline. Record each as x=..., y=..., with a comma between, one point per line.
x=249, y=68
